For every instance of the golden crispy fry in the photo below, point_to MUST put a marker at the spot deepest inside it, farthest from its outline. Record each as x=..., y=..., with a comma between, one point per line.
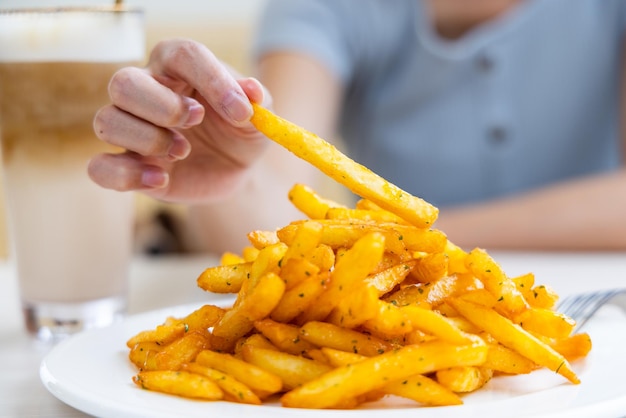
x=202, y=318
x=546, y=322
x=348, y=382
x=364, y=215
x=361, y=306
x=323, y=257
x=430, y=268
x=179, y=383
x=262, y=239
x=229, y=258
x=505, y=360
x=256, y=340
x=251, y=253
x=255, y=377
x=456, y=258
x=572, y=348
x=359, y=179
x=295, y=271
x=508, y=298
x=353, y=267
x=301, y=297
x=543, y=297
x=224, y=278
x=386, y=280
x=294, y=370
x=284, y=336
x=306, y=240
x=257, y=304
x=233, y=389
x=142, y=355
x=309, y=202
x=513, y=336
x=354, y=306
x=339, y=234
x=464, y=379
x=524, y=283
x=181, y=351
x=162, y=334
x=417, y=387
x=323, y=334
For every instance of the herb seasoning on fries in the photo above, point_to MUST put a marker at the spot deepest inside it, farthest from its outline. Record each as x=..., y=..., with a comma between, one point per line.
x=350, y=305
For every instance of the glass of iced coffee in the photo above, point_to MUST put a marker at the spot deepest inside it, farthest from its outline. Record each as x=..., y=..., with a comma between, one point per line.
x=70, y=240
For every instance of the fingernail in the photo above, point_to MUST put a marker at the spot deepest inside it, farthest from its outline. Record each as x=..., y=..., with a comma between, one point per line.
x=180, y=147
x=195, y=113
x=237, y=107
x=155, y=178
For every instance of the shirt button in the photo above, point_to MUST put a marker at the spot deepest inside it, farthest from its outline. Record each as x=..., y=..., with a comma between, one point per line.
x=484, y=63
x=497, y=135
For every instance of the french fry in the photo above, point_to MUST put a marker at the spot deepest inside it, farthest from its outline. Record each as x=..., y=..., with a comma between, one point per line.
x=299, y=298
x=573, y=347
x=142, y=355
x=233, y=389
x=202, y=318
x=309, y=202
x=505, y=360
x=323, y=334
x=359, y=179
x=543, y=297
x=464, y=379
x=257, y=304
x=355, y=310
x=363, y=215
x=181, y=351
x=513, y=336
x=162, y=335
x=307, y=238
x=284, y=336
x=255, y=377
x=373, y=373
x=224, y=278
x=353, y=304
x=179, y=383
x=352, y=268
x=496, y=282
x=295, y=271
x=293, y=370
x=229, y=258
x=546, y=322
x=418, y=387
x=386, y=280
x=262, y=239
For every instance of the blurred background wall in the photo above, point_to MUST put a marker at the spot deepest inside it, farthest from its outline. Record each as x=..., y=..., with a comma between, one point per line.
x=225, y=26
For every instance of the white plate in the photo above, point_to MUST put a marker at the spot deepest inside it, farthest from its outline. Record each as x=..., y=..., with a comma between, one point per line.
x=91, y=372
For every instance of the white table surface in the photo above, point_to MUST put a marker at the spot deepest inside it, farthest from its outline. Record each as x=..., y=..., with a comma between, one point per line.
x=170, y=281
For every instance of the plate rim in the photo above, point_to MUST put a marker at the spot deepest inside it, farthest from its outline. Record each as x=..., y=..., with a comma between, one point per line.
x=92, y=402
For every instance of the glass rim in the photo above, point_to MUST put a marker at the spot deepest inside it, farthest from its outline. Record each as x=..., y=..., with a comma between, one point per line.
x=69, y=9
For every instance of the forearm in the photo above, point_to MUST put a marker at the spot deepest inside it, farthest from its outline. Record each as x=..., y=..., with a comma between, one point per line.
x=260, y=204
x=585, y=214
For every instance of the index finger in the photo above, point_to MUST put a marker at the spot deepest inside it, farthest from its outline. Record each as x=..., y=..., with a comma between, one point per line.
x=194, y=65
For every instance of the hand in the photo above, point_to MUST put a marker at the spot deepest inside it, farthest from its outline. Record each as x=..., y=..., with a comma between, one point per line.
x=184, y=124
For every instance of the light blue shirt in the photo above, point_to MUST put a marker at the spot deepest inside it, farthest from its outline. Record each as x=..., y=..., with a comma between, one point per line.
x=526, y=100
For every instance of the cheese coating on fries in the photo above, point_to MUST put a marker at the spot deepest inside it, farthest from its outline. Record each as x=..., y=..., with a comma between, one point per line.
x=355, y=305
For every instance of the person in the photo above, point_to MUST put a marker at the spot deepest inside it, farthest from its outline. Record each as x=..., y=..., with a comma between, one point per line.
x=505, y=114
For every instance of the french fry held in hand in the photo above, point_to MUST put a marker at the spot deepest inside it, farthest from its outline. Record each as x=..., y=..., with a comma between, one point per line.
x=353, y=305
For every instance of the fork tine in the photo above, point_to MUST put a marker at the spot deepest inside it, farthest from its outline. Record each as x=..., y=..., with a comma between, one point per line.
x=583, y=306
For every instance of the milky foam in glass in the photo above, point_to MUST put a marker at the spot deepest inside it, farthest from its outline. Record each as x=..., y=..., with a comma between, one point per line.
x=71, y=240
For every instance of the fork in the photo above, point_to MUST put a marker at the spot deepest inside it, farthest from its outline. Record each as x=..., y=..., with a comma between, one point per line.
x=581, y=307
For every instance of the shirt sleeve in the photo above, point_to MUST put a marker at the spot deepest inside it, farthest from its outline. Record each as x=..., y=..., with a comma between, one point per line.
x=319, y=28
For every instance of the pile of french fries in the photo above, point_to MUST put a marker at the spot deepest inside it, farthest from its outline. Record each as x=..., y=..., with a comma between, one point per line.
x=351, y=305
